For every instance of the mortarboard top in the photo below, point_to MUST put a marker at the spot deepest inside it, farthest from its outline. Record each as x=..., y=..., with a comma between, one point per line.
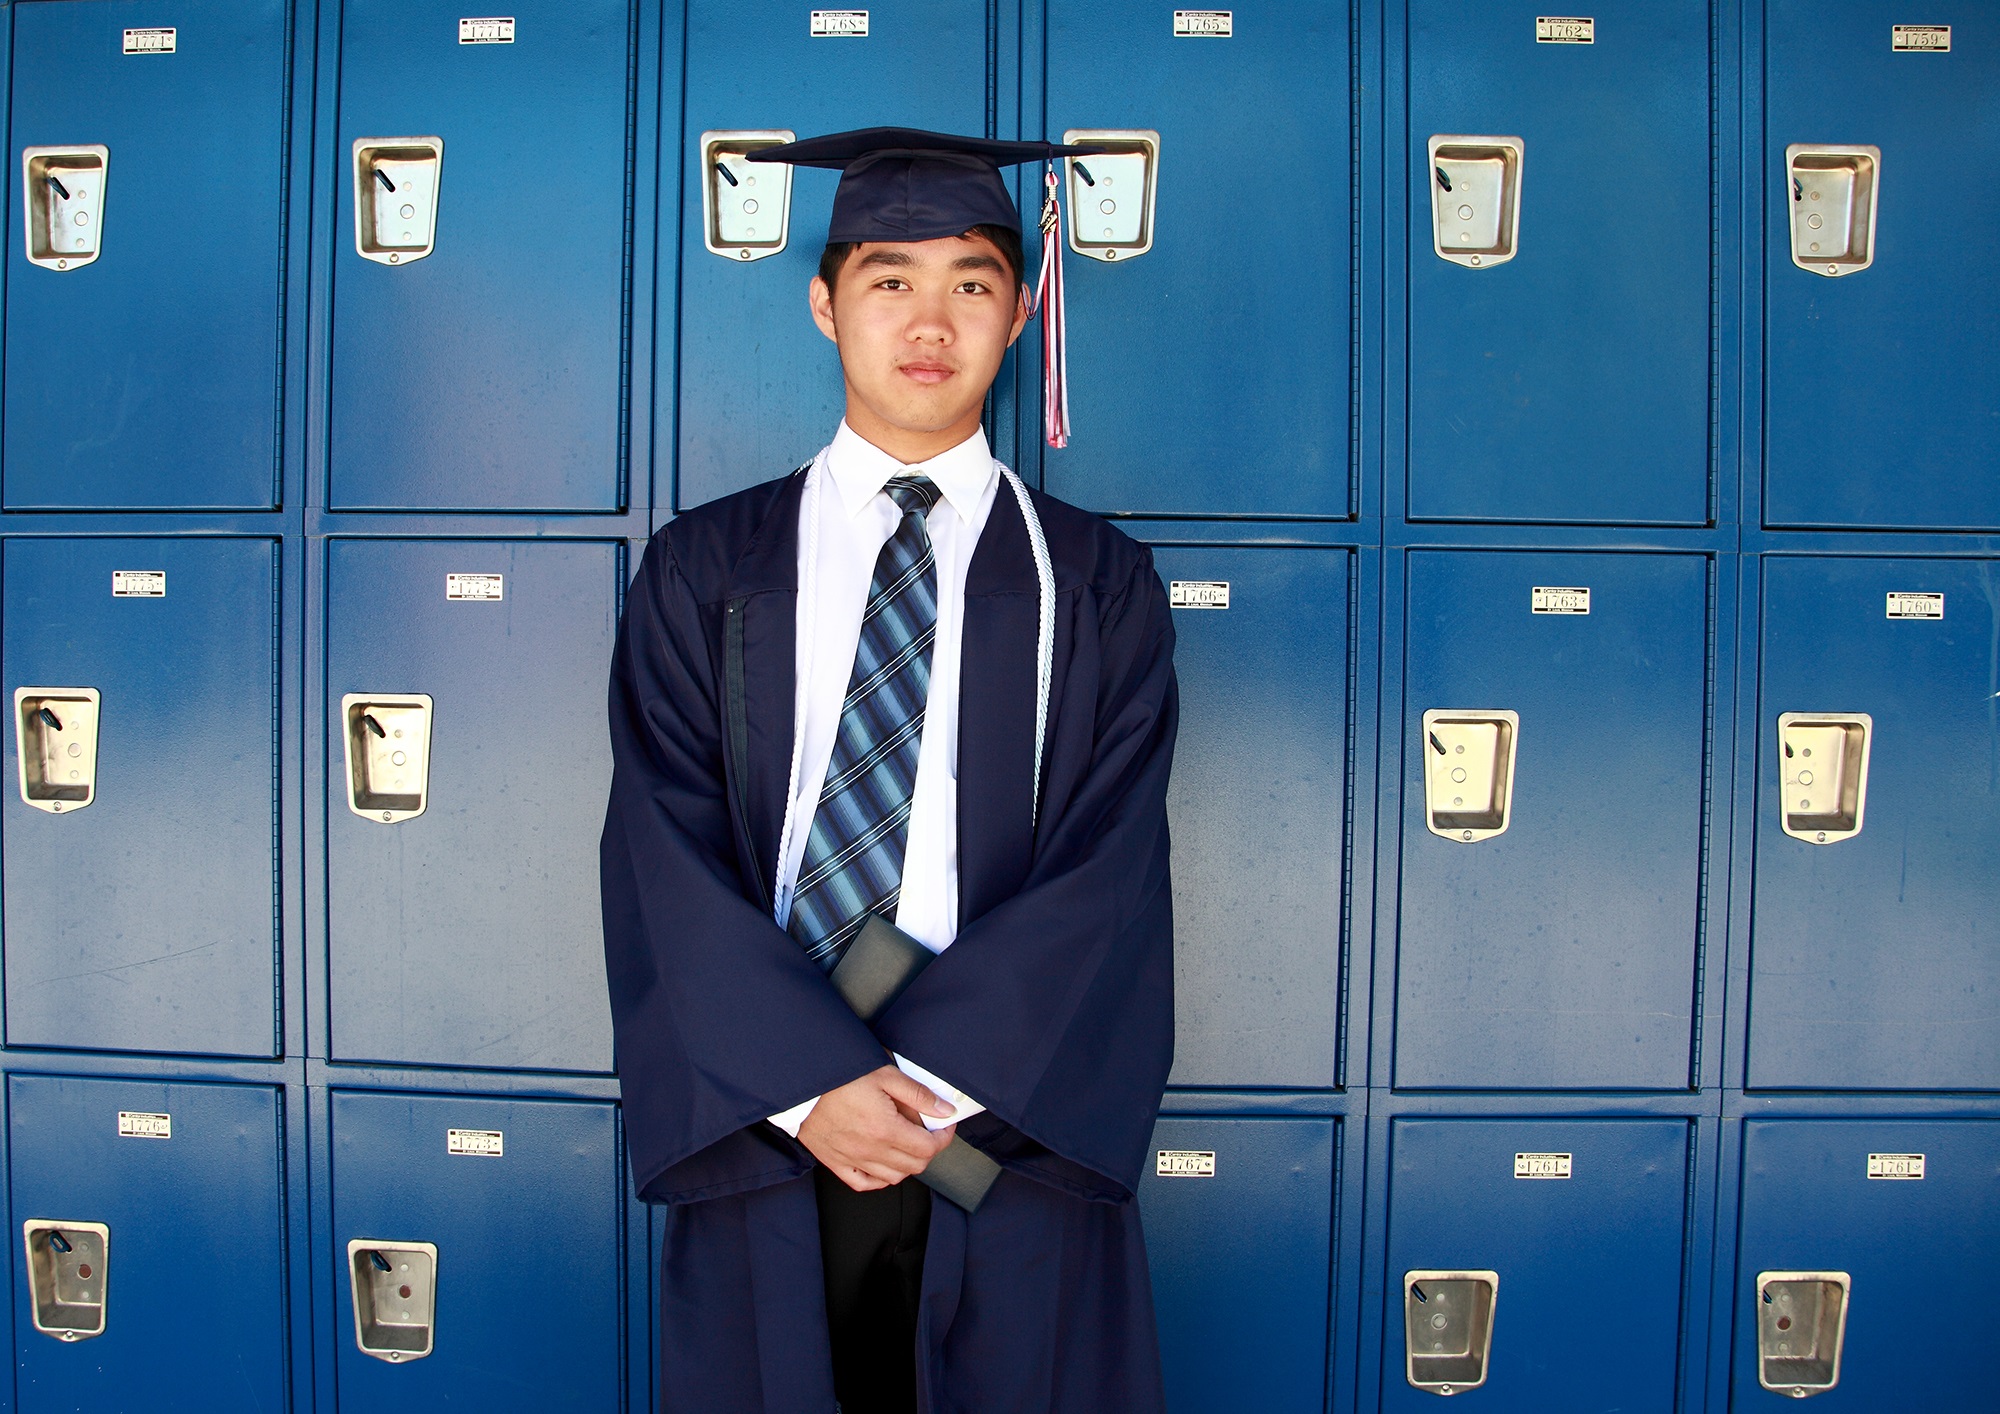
x=905, y=184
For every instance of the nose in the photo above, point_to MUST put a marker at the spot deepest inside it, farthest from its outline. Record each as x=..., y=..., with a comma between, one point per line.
x=930, y=322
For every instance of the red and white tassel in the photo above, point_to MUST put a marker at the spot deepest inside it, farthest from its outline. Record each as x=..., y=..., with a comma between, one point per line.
x=1049, y=302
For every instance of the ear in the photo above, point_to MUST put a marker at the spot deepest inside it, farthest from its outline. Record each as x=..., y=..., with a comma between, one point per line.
x=820, y=298
x=1023, y=309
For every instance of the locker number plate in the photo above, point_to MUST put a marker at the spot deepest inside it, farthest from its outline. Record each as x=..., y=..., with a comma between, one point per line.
x=134, y=1125
x=484, y=1143
x=138, y=584
x=1185, y=1163
x=161, y=41
x=1565, y=29
x=840, y=24
x=483, y=587
x=1906, y=605
x=494, y=30
x=1545, y=599
x=1541, y=1165
x=1204, y=24
x=1896, y=1166
x=1920, y=39
x=1199, y=594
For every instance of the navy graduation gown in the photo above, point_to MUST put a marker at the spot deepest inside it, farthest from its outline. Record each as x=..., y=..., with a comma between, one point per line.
x=1054, y=1007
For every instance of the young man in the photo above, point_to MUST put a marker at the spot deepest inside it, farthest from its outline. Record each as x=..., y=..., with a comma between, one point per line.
x=896, y=684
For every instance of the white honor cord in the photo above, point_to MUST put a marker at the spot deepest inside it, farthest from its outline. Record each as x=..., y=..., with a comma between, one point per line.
x=1045, y=637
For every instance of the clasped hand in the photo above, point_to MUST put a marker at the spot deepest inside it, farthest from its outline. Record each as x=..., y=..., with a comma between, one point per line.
x=870, y=1133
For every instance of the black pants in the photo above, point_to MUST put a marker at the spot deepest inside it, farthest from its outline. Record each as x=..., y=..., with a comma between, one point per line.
x=872, y=1247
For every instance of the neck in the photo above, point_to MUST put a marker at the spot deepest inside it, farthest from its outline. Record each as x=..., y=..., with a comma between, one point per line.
x=906, y=445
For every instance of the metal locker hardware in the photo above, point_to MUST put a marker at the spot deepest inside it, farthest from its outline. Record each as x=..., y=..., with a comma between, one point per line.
x=1469, y=772
x=396, y=197
x=1476, y=198
x=68, y=1275
x=1448, y=1328
x=1801, y=1325
x=1112, y=194
x=1823, y=774
x=1833, y=199
x=388, y=754
x=746, y=207
x=394, y=1285
x=55, y=736
x=62, y=201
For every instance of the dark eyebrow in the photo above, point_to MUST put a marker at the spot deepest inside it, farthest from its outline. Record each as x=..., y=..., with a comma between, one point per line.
x=898, y=258
x=978, y=262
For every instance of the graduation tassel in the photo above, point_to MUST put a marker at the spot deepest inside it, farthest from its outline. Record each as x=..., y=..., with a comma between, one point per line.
x=1049, y=303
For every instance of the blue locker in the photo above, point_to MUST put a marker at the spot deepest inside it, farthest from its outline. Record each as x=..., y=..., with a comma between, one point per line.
x=119, y=936
x=1230, y=344
x=1257, y=807
x=523, y=1201
x=149, y=377
x=1569, y=383
x=194, y=1300
x=1875, y=960
x=1586, y=1316
x=470, y=934
x=491, y=373
x=760, y=387
x=1881, y=394
x=1915, y=1251
x=1237, y=1215
x=1562, y=953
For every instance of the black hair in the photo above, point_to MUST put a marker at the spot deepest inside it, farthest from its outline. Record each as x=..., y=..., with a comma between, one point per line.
x=1007, y=241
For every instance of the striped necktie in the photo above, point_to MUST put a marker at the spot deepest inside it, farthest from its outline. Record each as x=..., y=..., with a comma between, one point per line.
x=853, y=864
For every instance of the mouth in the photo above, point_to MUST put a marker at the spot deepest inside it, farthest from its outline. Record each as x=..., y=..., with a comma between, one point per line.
x=926, y=372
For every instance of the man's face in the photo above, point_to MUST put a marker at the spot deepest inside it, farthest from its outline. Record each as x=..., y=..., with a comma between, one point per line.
x=922, y=327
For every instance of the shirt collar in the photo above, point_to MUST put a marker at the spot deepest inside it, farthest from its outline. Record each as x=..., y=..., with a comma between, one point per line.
x=860, y=470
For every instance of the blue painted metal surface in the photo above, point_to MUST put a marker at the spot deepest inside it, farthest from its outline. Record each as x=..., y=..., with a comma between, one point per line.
x=1257, y=808
x=1229, y=345
x=1572, y=382
x=470, y=934
x=1587, y=1314
x=1563, y=953
x=150, y=377
x=119, y=936
x=1916, y=1253
x=1881, y=395
x=195, y=1285
x=760, y=388
x=1875, y=961
x=530, y=1249
x=1243, y=1319
x=490, y=374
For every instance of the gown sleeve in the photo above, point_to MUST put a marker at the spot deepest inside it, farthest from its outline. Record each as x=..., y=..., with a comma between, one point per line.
x=719, y=1018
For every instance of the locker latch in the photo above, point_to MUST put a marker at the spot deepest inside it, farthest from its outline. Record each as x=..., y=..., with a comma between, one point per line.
x=1833, y=193
x=388, y=754
x=62, y=200
x=1112, y=194
x=1448, y=1328
x=1469, y=772
x=394, y=1285
x=1823, y=772
x=1475, y=187
x=746, y=207
x=68, y=1270
x=55, y=735
x=396, y=197
x=1801, y=1324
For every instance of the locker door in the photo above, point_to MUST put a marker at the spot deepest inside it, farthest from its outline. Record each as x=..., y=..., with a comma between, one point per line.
x=119, y=936
x=1880, y=394
x=1569, y=383
x=149, y=377
x=1229, y=345
x=470, y=934
x=1257, y=808
x=1243, y=1318
x=1561, y=953
x=1587, y=1311
x=489, y=374
x=760, y=386
x=522, y=1200
x=1915, y=1251
x=1873, y=960
x=193, y=1271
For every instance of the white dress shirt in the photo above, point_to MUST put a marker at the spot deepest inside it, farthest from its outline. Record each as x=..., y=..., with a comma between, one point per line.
x=844, y=521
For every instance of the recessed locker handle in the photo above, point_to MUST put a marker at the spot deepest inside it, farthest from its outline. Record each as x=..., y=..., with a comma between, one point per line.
x=394, y=1289
x=1833, y=195
x=1448, y=1328
x=388, y=740
x=1475, y=187
x=1823, y=774
x=1469, y=772
x=69, y=1271
x=1113, y=193
x=62, y=204
x=396, y=183
x=746, y=207
x=1801, y=1327
x=55, y=739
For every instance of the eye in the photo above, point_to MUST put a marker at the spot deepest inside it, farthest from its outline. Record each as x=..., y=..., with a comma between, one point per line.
x=891, y=282
x=972, y=287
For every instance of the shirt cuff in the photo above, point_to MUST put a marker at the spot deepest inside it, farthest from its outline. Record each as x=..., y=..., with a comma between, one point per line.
x=963, y=1106
x=791, y=1119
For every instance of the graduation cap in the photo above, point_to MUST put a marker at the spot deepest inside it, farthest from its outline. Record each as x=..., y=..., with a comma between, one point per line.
x=905, y=184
